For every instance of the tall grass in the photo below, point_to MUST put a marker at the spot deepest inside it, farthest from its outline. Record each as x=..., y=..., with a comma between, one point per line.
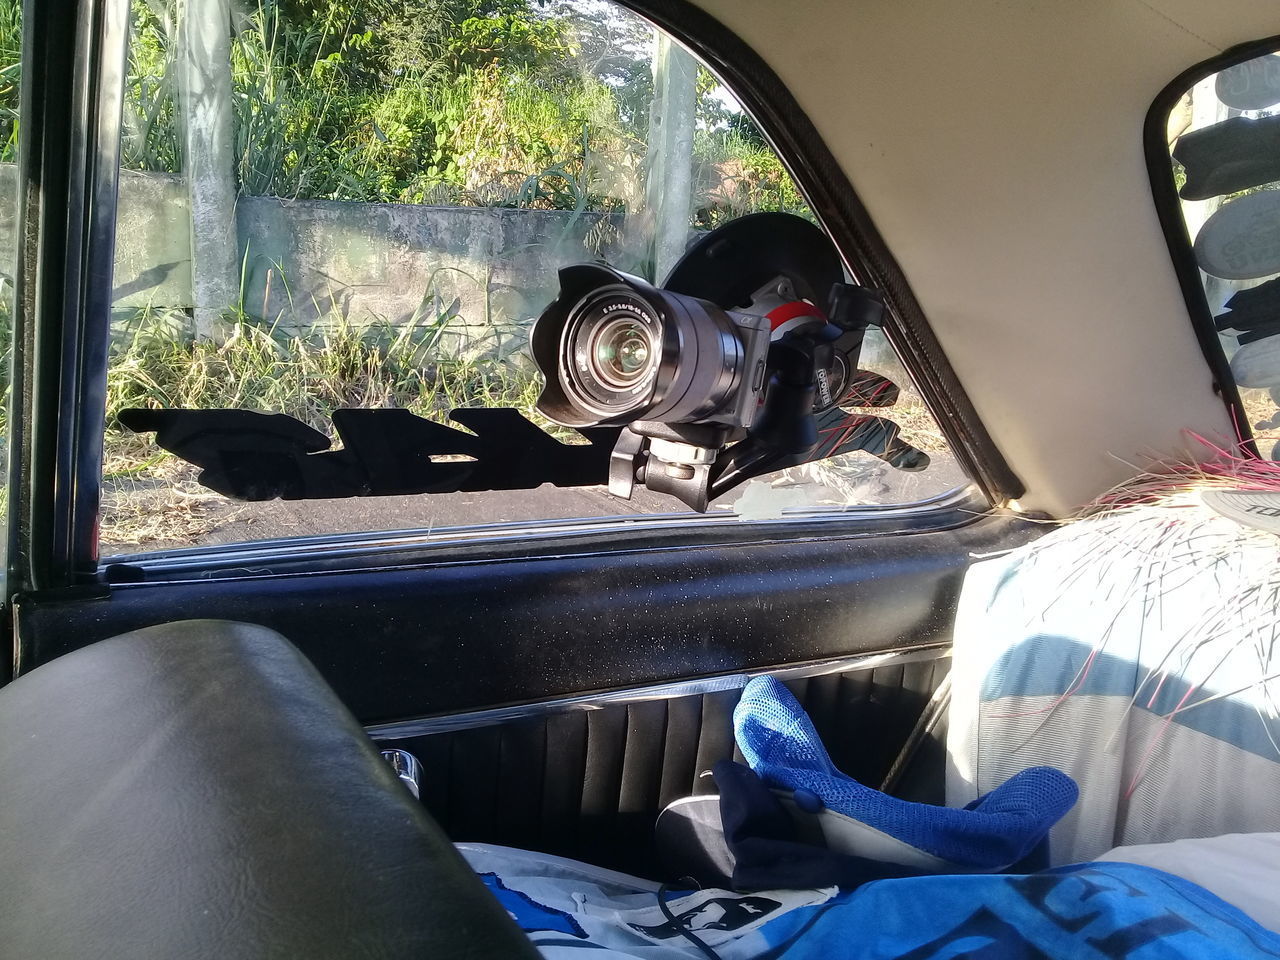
x=151, y=496
x=341, y=364
x=149, y=125
x=10, y=75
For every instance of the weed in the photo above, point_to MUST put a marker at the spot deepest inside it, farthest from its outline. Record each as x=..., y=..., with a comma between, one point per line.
x=260, y=367
x=10, y=74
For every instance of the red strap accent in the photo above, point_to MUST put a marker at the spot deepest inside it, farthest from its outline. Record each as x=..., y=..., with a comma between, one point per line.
x=789, y=311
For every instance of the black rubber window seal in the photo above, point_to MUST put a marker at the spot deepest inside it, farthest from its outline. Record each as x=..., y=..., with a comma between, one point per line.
x=841, y=212
x=1164, y=193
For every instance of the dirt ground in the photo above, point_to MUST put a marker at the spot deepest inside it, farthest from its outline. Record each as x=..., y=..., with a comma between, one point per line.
x=172, y=512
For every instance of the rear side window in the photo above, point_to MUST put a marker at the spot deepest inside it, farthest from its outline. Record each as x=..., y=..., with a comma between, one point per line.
x=333, y=206
x=1223, y=164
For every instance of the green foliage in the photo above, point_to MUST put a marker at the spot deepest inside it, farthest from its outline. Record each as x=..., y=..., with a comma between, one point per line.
x=746, y=177
x=10, y=73
x=337, y=365
x=513, y=39
x=149, y=125
x=483, y=102
x=477, y=102
x=328, y=110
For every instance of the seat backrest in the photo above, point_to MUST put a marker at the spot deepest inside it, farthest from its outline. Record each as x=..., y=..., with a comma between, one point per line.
x=196, y=790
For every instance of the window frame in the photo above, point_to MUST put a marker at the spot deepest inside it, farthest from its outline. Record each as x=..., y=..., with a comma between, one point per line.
x=73, y=61
x=61, y=455
x=486, y=543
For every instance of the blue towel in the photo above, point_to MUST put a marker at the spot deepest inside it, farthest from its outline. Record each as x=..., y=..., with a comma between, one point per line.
x=1002, y=828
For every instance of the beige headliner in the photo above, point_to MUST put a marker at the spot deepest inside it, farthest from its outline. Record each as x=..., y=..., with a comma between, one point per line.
x=998, y=146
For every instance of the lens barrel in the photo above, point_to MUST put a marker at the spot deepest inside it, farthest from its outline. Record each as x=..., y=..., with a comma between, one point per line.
x=610, y=351
x=613, y=349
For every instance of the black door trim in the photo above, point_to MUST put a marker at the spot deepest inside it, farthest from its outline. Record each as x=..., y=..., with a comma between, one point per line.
x=404, y=642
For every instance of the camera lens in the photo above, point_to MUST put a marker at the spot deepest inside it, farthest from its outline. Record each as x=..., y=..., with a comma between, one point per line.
x=622, y=351
x=612, y=348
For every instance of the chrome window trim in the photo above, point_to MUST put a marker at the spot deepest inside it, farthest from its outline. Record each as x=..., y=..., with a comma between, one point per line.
x=426, y=726
x=964, y=500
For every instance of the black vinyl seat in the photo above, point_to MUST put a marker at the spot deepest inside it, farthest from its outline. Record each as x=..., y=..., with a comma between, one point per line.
x=196, y=790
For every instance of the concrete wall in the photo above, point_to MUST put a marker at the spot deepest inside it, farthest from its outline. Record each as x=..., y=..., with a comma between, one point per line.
x=153, y=243
x=481, y=272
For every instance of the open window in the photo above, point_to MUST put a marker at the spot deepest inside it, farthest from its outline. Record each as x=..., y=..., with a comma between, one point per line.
x=325, y=207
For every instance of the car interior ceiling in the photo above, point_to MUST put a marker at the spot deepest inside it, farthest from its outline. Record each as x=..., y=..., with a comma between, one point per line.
x=558, y=696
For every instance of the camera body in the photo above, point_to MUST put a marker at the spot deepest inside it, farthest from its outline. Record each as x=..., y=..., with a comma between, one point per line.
x=737, y=366
x=615, y=350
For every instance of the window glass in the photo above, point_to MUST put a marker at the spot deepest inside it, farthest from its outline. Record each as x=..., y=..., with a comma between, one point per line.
x=333, y=205
x=10, y=76
x=1224, y=141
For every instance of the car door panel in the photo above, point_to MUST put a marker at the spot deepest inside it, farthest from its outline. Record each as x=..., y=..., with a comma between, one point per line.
x=587, y=779
x=441, y=638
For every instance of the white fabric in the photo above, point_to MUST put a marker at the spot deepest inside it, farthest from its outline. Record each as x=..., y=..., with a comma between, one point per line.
x=1241, y=868
x=1077, y=652
x=570, y=909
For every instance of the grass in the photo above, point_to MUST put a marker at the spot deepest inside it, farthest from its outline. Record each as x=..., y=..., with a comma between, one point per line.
x=10, y=77
x=919, y=426
x=151, y=496
x=339, y=364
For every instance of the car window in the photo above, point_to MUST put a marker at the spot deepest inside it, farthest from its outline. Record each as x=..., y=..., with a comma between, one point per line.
x=1224, y=150
x=364, y=205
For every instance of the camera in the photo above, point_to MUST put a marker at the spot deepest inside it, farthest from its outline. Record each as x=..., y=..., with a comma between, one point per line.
x=742, y=363
x=729, y=370
x=614, y=350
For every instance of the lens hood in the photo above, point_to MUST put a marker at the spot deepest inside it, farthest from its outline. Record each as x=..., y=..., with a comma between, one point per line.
x=686, y=358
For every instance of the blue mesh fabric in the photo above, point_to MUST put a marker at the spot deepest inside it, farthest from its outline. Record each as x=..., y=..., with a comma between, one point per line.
x=780, y=744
